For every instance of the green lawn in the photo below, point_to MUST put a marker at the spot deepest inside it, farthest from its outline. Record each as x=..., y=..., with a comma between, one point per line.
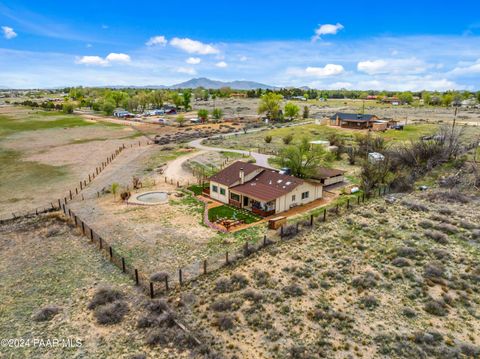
x=231, y=213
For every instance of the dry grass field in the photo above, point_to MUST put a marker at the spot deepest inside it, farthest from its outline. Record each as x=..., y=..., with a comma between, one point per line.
x=386, y=280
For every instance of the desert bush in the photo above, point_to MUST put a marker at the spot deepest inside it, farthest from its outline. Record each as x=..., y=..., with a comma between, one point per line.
x=288, y=231
x=365, y=281
x=401, y=262
x=425, y=224
x=293, y=290
x=261, y=278
x=446, y=228
x=158, y=277
x=224, y=322
x=408, y=252
x=111, y=313
x=46, y=313
x=409, y=312
x=467, y=225
x=445, y=211
x=369, y=302
x=440, y=253
x=448, y=196
x=437, y=236
x=476, y=234
x=433, y=271
x=436, y=307
x=224, y=305
x=103, y=296
x=52, y=231
x=252, y=295
x=415, y=206
x=157, y=306
x=470, y=350
x=236, y=282
x=125, y=195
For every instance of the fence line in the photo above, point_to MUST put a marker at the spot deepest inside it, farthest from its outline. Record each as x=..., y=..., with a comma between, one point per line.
x=71, y=193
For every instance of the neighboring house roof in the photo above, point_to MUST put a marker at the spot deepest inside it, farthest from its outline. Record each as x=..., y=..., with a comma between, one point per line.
x=268, y=185
x=323, y=173
x=229, y=175
x=353, y=117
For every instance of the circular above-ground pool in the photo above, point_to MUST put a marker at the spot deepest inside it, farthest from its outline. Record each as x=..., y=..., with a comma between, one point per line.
x=149, y=198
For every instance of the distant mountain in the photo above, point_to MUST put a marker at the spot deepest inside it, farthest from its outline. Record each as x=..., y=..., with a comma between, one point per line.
x=214, y=84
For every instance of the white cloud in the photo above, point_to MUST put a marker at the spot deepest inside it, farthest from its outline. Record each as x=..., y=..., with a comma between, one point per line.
x=117, y=57
x=187, y=70
x=243, y=58
x=470, y=69
x=193, y=46
x=157, y=40
x=193, y=60
x=221, y=64
x=327, y=70
x=8, y=32
x=91, y=60
x=326, y=29
x=393, y=66
x=100, y=61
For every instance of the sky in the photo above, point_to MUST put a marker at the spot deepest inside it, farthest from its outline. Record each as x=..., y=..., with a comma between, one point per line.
x=409, y=45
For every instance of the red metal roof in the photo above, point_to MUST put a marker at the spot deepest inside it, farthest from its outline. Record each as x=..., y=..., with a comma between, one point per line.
x=229, y=175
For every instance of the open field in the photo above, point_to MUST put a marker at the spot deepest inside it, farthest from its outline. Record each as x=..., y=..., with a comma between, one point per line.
x=44, y=263
x=45, y=153
x=370, y=284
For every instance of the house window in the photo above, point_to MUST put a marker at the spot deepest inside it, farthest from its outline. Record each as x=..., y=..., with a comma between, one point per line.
x=214, y=188
x=235, y=197
x=293, y=198
x=222, y=191
x=305, y=195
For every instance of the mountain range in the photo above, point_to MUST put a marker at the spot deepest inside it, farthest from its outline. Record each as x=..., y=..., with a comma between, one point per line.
x=215, y=84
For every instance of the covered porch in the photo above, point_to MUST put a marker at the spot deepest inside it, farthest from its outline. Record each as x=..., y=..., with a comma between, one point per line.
x=257, y=206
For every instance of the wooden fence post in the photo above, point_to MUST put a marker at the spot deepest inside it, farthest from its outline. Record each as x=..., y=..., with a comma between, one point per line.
x=296, y=227
x=226, y=258
x=91, y=234
x=59, y=204
x=123, y=265
x=180, y=277
x=81, y=185
x=311, y=220
x=281, y=231
x=101, y=243
x=264, y=240
x=324, y=214
x=83, y=227
x=111, y=252
x=204, y=266
x=152, y=294
x=71, y=195
x=166, y=282
x=136, y=276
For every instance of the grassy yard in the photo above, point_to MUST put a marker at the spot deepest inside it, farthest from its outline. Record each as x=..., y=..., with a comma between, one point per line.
x=197, y=189
x=229, y=212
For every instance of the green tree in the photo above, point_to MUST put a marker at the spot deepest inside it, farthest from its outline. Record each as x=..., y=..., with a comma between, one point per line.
x=118, y=97
x=447, y=99
x=187, y=97
x=301, y=159
x=177, y=99
x=143, y=100
x=158, y=98
x=270, y=104
x=306, y=112
x=108, y=107
x=68, y=107
x=426, y=97
x=180, y=120
x=291, y=110
x=217, y=114
x=406, y=97
x=202, y=114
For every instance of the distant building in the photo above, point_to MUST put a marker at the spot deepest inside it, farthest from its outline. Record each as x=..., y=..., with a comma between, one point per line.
x=120, y=112
x=358, y=121
x=328, y=176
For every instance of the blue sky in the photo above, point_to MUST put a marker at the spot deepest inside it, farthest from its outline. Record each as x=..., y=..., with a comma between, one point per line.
x=411, y=45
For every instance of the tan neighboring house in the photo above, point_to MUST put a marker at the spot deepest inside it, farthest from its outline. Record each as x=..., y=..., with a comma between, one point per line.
x=261, y=190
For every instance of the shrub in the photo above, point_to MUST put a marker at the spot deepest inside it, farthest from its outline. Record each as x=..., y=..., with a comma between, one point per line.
x=236, y=282
x=440, y=253
x=224, y=305
x=409, y=313
x=157, y=306
x=103, y=296
x=369, y=302
x=470, y=350
x=425, y=224
x=159, y=276
x=436, y=307
x=433, y=271
x=261, y=278
x=476, y=234
x=292, y=290
x=401, y=262
x=252, y=295
x=288, y=231
x=111, y=313
x=46, y=313
x=365, y=281
x=445, y=211
x=415, y=206
x=446, y=228
x=222, y=285
x=437, y=236
x=448, y=196
x=467, y=225
x=407, y=252
x=268, y=139
x=224, y=322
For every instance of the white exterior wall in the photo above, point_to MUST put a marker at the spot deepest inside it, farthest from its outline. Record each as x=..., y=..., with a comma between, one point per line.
x=217, y=195
x=283, y=203
x=329, y=181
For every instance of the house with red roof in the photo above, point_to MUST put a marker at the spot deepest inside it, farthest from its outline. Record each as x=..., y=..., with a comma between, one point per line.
x=263, y=191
